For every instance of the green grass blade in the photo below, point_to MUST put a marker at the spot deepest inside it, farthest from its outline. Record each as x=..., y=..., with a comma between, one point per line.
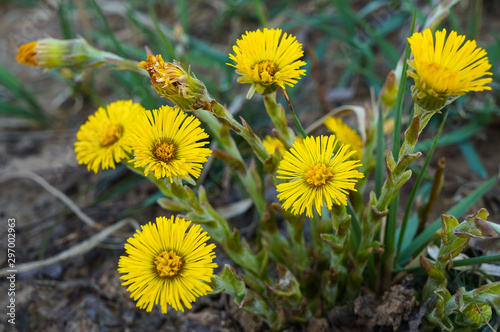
x=18, y=89
x=151, y=200
x=422, y=240
x=168, y=45
x=476, y=260
x=121, y=186
x=396, y=144
x=182, y=12
x=473, y=159
x=380, y=154
x=107, y=29
x=260, y=13
x=63, y=12
x=107, y=41
x=390, y=230
x=416, y=186
x=9, y=110
x=356, y=227
x=456, y=136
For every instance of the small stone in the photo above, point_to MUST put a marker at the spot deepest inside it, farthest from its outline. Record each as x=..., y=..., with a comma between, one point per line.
x=25, y=147
x=53, y=271
x=317, y=325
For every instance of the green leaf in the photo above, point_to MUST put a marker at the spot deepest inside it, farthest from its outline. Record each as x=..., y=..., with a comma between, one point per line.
x=455, y=136
x=476, y=260
x=380, y=153
x=417, y=245
x=19, y=90
x=228, y=281
x=473, y=159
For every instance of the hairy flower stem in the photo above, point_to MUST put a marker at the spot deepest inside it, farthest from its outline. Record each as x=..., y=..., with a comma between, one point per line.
x=277, y=115
x=397, y=175
x=243, y=130
x=228, y=145
x=300, y=129
x=336, y=276
x=200, y=211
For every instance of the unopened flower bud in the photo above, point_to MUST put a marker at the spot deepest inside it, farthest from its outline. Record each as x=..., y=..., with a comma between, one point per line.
x=475, y=316
x=171, y=81
x=389, y=92
x=54, y=53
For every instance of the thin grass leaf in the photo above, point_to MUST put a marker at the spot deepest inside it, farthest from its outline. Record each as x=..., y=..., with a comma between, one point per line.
x=416, y=187
x=371, y=7
x=118, y=188
x=454, y=137
x=182, y=13
x=476, y=260
x=390, y=230
x=474, y=21
x=168, y=47
x=417, y=245
x=356, y=227
x=9, y=110
x=380, y=153
x=151, y=200
x=107, y=29
x=473, y=159
x=19, y=91
x=131, y=51
x=261, y=13
x=65, y=23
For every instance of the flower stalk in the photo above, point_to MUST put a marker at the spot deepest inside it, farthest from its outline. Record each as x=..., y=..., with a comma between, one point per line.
x=277, y=114
x=243, y=130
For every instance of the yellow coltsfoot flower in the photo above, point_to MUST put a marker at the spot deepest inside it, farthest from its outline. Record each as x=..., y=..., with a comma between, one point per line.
x=171, y=81
x=167, y=142
x=443, y=69
x=167, y=264
x=105, y=138
x=345, y=135
x=273, y=143
x=267, y=60
x=317, y=175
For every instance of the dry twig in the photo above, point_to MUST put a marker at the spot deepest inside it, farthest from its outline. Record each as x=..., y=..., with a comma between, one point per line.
x=77, y=250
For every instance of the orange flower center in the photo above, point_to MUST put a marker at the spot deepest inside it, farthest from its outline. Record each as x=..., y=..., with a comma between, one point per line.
x=164, y=150
x=265, y=70
x=317, y=174
x=112, y=133
x=168, y=264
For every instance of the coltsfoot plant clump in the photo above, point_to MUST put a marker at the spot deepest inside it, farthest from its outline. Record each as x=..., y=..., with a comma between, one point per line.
x=320, y=182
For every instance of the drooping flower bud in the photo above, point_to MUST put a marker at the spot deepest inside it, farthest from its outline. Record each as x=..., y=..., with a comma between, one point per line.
x=171, y=81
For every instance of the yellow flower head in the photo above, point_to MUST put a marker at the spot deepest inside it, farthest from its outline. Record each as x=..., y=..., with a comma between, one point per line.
x=105, y=138
x=56, y=53
x=167, y=264
x=167, y=142
x=267, y=62
x=272, y=143
x=345, y=135
x=171, y=81
x=317, y=175
x=442, y=69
